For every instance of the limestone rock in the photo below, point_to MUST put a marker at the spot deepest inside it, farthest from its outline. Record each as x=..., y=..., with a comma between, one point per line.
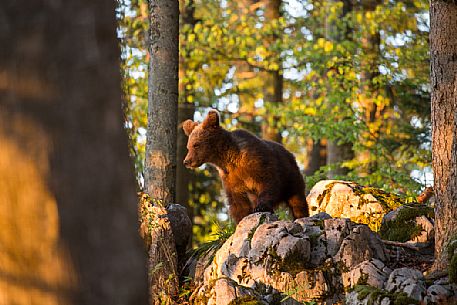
x=360, y=245
x=441, y=293
x=372, y=272
x=407, y=280
x=345, y=199
x=181, y=226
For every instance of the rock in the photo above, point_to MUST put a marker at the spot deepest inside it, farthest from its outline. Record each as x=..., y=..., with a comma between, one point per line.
x=345, y=199
x=372, y=272
x=313, y=259
x=336, y=231
x=360, y=245
x=313, y=228
x=271, y=258
x=441, y=294
x=410, y=281
x=181, y=226
x=409, y=223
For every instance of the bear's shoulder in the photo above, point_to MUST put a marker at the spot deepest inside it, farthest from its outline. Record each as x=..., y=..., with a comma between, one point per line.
x=245, y=139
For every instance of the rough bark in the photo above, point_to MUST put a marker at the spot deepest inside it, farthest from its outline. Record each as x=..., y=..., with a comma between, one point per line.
x=67, y=192
x=443, y=47
x=161, y=145
x=274, y=80
x=160, y=167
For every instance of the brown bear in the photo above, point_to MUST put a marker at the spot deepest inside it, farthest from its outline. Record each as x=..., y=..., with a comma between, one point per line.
x=257, y=174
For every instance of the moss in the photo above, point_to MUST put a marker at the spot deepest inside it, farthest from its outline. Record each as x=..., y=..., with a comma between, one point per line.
x=452, y=255
x=246, y=300
x=404, y=227
x=375, y=294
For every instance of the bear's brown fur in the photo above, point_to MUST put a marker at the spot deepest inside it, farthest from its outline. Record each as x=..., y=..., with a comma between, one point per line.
x=257, y=174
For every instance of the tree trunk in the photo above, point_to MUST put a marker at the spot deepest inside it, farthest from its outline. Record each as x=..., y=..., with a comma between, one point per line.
x=161, y=146
x=443, y=48
x=370, y=43
x=183, y=175
x=186, y=111
x=274, y=79
x=160, y=169
x=67, y=190
x=317, y=156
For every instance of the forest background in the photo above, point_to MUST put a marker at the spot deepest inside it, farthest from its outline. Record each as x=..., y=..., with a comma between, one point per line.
x=344, y=85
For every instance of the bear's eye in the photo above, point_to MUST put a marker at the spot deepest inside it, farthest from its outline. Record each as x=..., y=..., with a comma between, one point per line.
x=196, y=145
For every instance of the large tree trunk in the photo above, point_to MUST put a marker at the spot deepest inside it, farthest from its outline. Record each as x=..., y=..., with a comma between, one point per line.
x=443, y=46
x=161, y=145
x=67, y=191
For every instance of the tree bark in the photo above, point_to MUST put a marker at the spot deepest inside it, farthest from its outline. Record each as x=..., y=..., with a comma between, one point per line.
x=67, y=190
x=161, y=146
x=160, y=169
x=443, y=48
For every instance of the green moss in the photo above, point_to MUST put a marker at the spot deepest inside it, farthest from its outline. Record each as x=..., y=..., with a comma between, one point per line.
x=373, y=294
x=404, y=227
x=246, y=300
x=452, y=255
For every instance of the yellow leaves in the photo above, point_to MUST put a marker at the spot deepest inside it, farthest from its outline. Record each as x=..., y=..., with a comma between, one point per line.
x=328, y=46
x=324, y=44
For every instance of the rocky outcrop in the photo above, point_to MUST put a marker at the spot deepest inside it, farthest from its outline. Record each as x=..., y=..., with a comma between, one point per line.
x=315, y=259
x=270, y=260
x=345, y=199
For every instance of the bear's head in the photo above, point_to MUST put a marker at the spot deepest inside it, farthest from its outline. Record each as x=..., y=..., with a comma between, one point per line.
x=203, y=140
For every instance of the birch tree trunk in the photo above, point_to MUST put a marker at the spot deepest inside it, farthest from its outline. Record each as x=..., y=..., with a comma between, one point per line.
x=443, y=48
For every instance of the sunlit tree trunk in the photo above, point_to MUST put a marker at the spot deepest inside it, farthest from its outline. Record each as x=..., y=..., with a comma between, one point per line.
x=161, y=146
x=67, y=191
x=443, y=48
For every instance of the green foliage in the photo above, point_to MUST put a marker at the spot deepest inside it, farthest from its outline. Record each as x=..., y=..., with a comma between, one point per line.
x=357, y=77
x=452, y=257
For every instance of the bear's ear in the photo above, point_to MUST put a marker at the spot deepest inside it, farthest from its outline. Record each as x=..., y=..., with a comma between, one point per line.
x=212, y=119
x=188, y=126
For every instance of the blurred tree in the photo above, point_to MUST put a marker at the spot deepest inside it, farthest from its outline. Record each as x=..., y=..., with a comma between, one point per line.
x=186, y=107
x=443, y=46
x=67, y=193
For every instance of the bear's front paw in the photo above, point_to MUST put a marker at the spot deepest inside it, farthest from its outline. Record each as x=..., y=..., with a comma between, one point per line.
x=263, y=208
